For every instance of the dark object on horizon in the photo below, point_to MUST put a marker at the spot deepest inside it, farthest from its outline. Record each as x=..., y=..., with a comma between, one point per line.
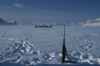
x=43, y=26
x=2, y=22
x=64, y=52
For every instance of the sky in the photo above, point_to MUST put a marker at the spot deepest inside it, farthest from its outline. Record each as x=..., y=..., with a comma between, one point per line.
x=69, y=11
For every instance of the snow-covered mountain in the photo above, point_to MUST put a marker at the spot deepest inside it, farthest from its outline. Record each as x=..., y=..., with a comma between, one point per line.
x=2, y=22
x=48, y=23
x=92, y=22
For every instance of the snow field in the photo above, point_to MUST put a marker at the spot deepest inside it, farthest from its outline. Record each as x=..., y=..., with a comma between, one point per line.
x=31, y=46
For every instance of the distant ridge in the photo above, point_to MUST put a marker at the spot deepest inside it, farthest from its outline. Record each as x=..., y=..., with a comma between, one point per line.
x=95, y=22
x=2, y=22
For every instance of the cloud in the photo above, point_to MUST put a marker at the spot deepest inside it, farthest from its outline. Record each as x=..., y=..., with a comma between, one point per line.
x=18, y=5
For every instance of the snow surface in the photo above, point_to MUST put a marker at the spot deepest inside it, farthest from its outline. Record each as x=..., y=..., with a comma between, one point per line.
x=28, y=46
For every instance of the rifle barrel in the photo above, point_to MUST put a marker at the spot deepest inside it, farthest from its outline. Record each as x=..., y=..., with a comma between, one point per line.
x=64, y=36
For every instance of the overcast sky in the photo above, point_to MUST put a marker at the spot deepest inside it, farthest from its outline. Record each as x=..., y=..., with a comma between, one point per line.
x=50, y=10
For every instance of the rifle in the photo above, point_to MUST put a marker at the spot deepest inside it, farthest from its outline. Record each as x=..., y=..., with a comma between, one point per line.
x=64, y=51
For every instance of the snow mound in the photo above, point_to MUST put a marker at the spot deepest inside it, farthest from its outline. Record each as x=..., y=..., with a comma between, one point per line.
x=20, y=51
x=22, y=47
x=16, y=50
x=84, y=58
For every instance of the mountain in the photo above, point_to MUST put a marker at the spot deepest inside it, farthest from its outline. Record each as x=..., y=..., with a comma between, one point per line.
x=12, y=22
x=48, y=23
x=92, y=22
x=2, y=22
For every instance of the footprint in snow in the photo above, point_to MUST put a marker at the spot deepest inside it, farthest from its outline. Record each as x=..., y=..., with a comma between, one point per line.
x=88, y=45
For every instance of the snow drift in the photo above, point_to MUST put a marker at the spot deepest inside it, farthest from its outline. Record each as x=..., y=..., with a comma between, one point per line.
x=28, y=46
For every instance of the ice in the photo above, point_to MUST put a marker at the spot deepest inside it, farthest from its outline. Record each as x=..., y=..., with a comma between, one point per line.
x=27, y=45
